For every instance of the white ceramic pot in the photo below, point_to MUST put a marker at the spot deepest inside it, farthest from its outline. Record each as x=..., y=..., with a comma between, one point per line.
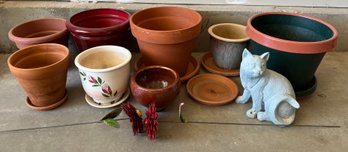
x=104, y=72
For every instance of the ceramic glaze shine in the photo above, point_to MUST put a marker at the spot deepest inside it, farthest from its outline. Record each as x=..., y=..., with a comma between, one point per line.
x=101, y=60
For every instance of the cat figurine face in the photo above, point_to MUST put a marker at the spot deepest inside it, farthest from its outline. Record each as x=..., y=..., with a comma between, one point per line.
x=272, y=94
x=253, y=65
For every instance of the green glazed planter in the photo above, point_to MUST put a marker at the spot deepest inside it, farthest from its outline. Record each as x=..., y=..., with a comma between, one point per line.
x=297, y=44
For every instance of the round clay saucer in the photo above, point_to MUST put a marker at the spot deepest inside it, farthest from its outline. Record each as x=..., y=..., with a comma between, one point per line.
x=92, y=103
x=192, y=69
x=212, y=89
x=49, y=107
x=209, y=64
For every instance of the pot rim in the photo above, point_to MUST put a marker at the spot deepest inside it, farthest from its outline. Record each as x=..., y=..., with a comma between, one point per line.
x=241, y=27
x=113, y=48
x=28, y=48
x=100, y=30
x=175, y=82
x=289, y=45
x=50, y=37
x=166, y=31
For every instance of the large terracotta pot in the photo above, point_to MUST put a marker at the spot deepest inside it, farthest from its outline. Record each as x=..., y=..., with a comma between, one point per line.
x=42, y=71
x=297, y=44
x=45, y=30
x=97, y=27
x=166, y=35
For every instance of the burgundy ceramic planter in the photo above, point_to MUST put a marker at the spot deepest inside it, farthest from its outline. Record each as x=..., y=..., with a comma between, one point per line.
x=97, y=27
x=45, y=30
x=166, y=35
x=41, y=70
x=155, y=84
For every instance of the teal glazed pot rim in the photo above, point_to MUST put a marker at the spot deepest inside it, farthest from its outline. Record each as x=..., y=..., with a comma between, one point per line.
x=291, y=46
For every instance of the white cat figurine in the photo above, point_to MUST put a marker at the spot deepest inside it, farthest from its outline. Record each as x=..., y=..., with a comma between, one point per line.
x=272, y=94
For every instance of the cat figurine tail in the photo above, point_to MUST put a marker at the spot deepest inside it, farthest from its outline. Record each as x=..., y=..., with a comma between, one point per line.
x=272, y=94
x=282, y=111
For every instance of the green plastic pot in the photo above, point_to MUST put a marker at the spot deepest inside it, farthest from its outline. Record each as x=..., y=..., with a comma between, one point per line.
x=297, y=44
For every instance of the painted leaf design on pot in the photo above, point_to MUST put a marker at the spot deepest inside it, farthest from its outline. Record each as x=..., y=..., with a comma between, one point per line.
x=106, y=90
x=91, y=79
x=83, y=74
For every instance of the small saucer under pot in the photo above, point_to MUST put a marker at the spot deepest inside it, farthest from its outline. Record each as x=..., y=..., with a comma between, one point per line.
x=309, y=90
x=49, y=107
x=209, y=64
x=92, y=103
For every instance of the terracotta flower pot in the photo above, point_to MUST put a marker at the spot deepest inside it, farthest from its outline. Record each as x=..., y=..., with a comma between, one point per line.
x=227, y=42
x=97, y=27
x=42, y=71
x=297, y=44
x=45, y=30
x=166, y=35
x=155, y=84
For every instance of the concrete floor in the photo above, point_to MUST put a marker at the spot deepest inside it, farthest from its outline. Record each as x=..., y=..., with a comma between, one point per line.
x=321, y=124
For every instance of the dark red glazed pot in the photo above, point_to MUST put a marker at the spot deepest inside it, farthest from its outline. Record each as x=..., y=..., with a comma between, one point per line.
x=97, y=27
x=157, y=84
x=45, y=30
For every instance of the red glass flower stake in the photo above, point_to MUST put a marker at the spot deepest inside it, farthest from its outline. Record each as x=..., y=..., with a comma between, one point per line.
x=150, y=122
x=134, y=117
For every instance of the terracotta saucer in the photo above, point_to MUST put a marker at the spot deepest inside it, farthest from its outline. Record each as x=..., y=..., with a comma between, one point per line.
x=192, y=69
x=209, y=64
x=92, y=103
x=49, y=107
x=212, y=89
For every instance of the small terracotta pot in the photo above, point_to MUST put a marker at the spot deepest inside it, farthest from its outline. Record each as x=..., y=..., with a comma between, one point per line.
x=166, y=35
x=104, y=72
x=45, y=30
x=157, y=84
x=42, y=71
x=297, y=44
x=97, y=27
x=227, y=42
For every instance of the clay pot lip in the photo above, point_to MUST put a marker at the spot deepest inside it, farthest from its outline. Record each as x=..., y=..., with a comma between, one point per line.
x=175, y=82
x=241, y=27
x=166, y=31
x=288, y=45
x=113, y=48
x=63, y=49
x=97, y=31
x=46, y=38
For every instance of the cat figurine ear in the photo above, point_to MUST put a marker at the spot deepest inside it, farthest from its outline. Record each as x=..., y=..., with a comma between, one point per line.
x=246, y=53
x=265, y=56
